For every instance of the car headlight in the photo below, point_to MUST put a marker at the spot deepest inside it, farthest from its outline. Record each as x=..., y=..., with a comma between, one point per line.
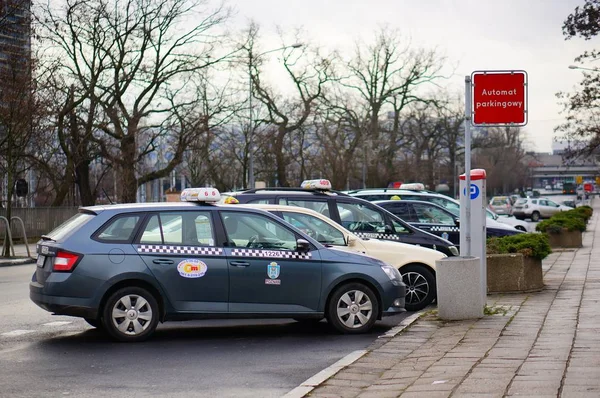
x=453, y=250
x=391, y=272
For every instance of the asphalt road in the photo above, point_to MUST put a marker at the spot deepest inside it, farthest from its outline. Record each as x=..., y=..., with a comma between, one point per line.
x=56, y=356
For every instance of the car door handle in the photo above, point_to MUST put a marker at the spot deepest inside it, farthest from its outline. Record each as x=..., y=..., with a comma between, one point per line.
x=239, y=263
x=162, y=261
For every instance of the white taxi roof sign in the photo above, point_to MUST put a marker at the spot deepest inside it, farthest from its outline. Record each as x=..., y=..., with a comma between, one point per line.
x=415, y=186
x=200, y=195
x=316, y=184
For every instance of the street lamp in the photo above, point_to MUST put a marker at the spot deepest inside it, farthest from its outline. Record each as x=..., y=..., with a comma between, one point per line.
x=251, y=182
x=581, y=67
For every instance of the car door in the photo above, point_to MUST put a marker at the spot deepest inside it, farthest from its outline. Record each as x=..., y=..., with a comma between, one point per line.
x=553, y=207
x=179, y=249
x=435, y=220
x=266, y=271
x=545, y=209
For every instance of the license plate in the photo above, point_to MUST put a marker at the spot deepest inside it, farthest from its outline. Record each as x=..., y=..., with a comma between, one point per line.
x=40, y=261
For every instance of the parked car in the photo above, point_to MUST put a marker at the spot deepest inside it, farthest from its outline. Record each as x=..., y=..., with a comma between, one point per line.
x=360, y=217
x=508, y=220
x=536, y=208
x=124, y=268
x=415, y=263
x=569, y=203
x=437, y=220
x=501, y=205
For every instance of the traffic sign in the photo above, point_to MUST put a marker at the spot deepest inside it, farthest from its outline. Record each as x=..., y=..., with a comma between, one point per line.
x=579, y=180
x=499, y=98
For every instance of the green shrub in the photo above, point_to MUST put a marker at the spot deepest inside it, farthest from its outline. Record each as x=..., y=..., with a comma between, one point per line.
x=530, y=245
x=584, y=211
x=560, y=221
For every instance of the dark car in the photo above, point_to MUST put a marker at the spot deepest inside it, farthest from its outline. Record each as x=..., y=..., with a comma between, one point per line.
x=124, y=268
x=359, y=216
x=435, y=219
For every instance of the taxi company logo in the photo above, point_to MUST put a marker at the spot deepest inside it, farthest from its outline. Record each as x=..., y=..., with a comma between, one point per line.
x=192, y=268
x=273, y=270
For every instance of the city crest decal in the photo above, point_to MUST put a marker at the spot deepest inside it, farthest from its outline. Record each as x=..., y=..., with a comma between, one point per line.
x=273, y=270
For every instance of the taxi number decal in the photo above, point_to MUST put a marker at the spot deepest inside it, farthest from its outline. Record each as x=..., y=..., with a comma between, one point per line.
x=192, y=268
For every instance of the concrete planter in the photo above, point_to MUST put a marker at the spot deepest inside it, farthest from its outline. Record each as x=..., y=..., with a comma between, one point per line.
x=514, y=273
x=565, y=239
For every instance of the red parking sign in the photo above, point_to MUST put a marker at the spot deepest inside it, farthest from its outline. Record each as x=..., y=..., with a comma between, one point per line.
x=499, y=98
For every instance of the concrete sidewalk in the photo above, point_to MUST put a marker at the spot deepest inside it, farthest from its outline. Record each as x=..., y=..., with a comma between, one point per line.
x=21, y=256
x=543, y=344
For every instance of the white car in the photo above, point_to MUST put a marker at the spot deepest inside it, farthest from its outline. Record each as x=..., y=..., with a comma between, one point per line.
x=508, y=220
x=537, y=208
x=415, y=263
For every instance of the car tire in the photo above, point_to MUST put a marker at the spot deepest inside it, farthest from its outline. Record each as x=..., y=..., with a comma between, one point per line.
x=535, y=216
x=420, y=284
x=96, y=323
x=130, y=314
x=353, y=308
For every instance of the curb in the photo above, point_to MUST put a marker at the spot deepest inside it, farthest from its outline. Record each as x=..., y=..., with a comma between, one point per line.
x=313, y=382
x=16, y=261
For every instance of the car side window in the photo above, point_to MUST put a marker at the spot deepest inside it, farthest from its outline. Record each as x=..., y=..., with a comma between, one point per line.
x=260, y=201
x=189, y=228
x=256, y=231
x=403, y=211
x=320, y=206
x=315, y=228
x=432, y=215
x=399, y=228
x=358, y=217
x=534, y=201
x=119, y=229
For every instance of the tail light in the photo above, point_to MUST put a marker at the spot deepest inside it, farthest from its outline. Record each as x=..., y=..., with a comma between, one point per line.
x=65, y=261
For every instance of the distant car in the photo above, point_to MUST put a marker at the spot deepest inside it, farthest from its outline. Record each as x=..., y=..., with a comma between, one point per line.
x=548, y=187
x=501, y=205
x=536, y=208
x=569, y=203
x=410, y=260
x=124, y=268
x=437, y=220
x=508, y=220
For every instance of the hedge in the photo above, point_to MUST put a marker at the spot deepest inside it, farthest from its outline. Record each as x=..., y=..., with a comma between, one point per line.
x=571, y=220
x=530, y=245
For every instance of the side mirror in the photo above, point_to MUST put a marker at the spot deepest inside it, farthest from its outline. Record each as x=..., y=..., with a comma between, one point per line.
x=388, y=229
x=351, y=240
x=457, y=222
x=302, y=245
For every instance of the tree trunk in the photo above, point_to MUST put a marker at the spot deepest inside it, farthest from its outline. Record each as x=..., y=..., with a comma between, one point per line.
x=280, y=158
x=128, y=181
x=82, y=175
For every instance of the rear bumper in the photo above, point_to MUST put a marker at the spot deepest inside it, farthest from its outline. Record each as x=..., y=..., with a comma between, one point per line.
x=62, y=305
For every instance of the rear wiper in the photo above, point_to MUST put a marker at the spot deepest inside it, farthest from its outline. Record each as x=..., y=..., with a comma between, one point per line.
x=46, y=237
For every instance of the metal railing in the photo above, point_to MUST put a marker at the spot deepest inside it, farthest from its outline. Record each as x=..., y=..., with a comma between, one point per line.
x=38, y=220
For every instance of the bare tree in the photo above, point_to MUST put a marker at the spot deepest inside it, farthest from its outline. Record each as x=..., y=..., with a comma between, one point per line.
x=387, y=73
x=309, y=72
x=138, y=59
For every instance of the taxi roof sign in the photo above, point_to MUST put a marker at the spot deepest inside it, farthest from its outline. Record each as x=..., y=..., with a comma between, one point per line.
x=200, y=195
x=316, y=184
x=416, y=186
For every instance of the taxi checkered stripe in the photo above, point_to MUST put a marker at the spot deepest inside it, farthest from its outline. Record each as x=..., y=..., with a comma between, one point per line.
x=445, y=229
x=270, y=253
x=376, y=235
x=164, y=249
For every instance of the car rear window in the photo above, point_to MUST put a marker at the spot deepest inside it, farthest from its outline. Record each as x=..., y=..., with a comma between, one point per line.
x=521, y=201
x=499, y=202
x=69, y=226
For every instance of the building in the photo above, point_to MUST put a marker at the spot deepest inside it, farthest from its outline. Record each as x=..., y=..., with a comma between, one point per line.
x=15, y=32
x=553, y=168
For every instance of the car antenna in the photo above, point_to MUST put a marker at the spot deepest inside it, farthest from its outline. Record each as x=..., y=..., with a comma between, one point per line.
x=107, y=197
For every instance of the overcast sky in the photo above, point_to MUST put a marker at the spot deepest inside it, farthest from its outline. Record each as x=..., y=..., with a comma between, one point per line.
x=473, y=34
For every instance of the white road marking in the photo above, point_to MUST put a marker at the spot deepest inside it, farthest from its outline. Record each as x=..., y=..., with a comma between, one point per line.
x=17, y=333
x=57, y=323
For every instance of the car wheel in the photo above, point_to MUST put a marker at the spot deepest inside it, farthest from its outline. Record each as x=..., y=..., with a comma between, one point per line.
x=93, y=322
x=353, y=308
x=521, y=228
x=131, y=314
x=420, y=287
x=535, y=216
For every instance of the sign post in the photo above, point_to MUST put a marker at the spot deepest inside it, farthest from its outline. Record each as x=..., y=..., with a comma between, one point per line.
x=492, y=99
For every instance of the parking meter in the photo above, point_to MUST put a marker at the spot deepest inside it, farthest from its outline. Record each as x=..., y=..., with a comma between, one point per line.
x=477, y=226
